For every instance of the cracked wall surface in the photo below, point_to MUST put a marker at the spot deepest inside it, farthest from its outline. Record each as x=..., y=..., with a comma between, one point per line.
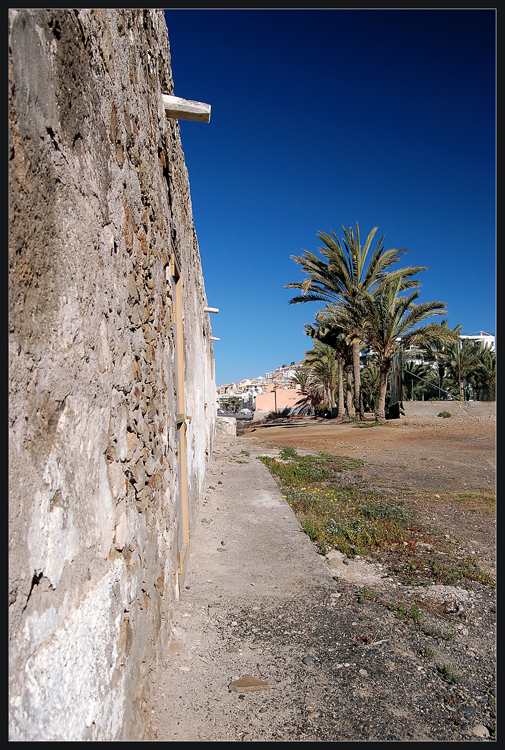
x=99, y=203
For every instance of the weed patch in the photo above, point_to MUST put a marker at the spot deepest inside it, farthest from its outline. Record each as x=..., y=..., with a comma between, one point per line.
x=294, y=470
x=347, y=518
x=404, y=613
x=449, y=674
x=384, y=510
x=360, y=521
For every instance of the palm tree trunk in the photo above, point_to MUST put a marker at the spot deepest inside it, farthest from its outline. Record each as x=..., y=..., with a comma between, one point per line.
x=383, y=384
x=327, y=396
x=358, y=400
x=340, y=388
x=348, y=392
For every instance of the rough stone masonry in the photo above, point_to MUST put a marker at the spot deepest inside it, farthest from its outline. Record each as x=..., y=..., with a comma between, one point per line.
x=100, y=212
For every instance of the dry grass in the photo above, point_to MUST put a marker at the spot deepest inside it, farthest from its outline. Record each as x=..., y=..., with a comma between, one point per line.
x=476, y=501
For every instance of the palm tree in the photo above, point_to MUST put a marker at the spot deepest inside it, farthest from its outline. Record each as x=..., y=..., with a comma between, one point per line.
x=388, y=322
x=323, y=366
x=442, y=354
x=418, y=377
x=370, y=379
x=233, y=404
x=468, y=363
x=336, y=338
x=484, y=373
x=301, y=379
x=342, y=274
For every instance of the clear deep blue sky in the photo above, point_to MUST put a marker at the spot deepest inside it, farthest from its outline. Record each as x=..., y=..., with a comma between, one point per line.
x=321, y=119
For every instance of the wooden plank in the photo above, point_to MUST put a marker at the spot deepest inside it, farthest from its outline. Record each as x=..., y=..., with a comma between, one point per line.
x=185, y=109
x=183, y=565
x=181, y=418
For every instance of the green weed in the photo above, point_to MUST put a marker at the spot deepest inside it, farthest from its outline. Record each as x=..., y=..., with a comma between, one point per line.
x=295, y=470
x=449, y=674
x=366, y=594
x=402, y=613
x=479, y=501
x=436, y=634
x=311, y=529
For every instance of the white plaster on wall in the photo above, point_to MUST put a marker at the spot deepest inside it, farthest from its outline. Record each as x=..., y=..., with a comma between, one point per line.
x=103, y=507
x=52, y=537
x=67, y=680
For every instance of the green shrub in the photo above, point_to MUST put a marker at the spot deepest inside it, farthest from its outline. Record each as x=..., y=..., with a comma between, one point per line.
x=287, y=452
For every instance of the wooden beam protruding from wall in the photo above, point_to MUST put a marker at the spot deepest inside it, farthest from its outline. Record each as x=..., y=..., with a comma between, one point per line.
x=185, y=109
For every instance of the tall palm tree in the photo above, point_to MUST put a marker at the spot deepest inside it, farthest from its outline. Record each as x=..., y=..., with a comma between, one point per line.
x=343, y=274
x=389, y=322
x=418, y=378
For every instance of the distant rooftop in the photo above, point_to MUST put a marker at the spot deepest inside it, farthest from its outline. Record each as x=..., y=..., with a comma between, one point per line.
x=478, y=333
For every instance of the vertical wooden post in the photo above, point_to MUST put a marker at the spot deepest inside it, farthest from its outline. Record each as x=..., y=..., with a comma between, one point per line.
x=182, y=497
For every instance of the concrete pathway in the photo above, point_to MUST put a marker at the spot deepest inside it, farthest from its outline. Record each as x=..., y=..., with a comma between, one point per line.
x=247, y=549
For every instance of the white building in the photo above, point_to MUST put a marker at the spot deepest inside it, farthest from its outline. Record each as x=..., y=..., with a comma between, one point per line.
x=486, y=338
x=283, y=372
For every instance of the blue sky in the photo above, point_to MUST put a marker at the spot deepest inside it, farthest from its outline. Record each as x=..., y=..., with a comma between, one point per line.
x=321, y=119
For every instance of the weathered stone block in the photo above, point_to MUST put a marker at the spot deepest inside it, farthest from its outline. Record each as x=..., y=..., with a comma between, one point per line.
x=226, y=426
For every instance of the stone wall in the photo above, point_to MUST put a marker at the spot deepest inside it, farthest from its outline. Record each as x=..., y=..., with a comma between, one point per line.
x=99, y=204
x=433, y=408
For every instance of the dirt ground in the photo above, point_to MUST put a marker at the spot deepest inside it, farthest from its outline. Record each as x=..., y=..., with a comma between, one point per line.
x=274, y=641
x=427, y=460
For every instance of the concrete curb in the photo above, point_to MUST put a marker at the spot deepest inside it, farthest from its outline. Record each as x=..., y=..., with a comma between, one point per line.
x=262, y=551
